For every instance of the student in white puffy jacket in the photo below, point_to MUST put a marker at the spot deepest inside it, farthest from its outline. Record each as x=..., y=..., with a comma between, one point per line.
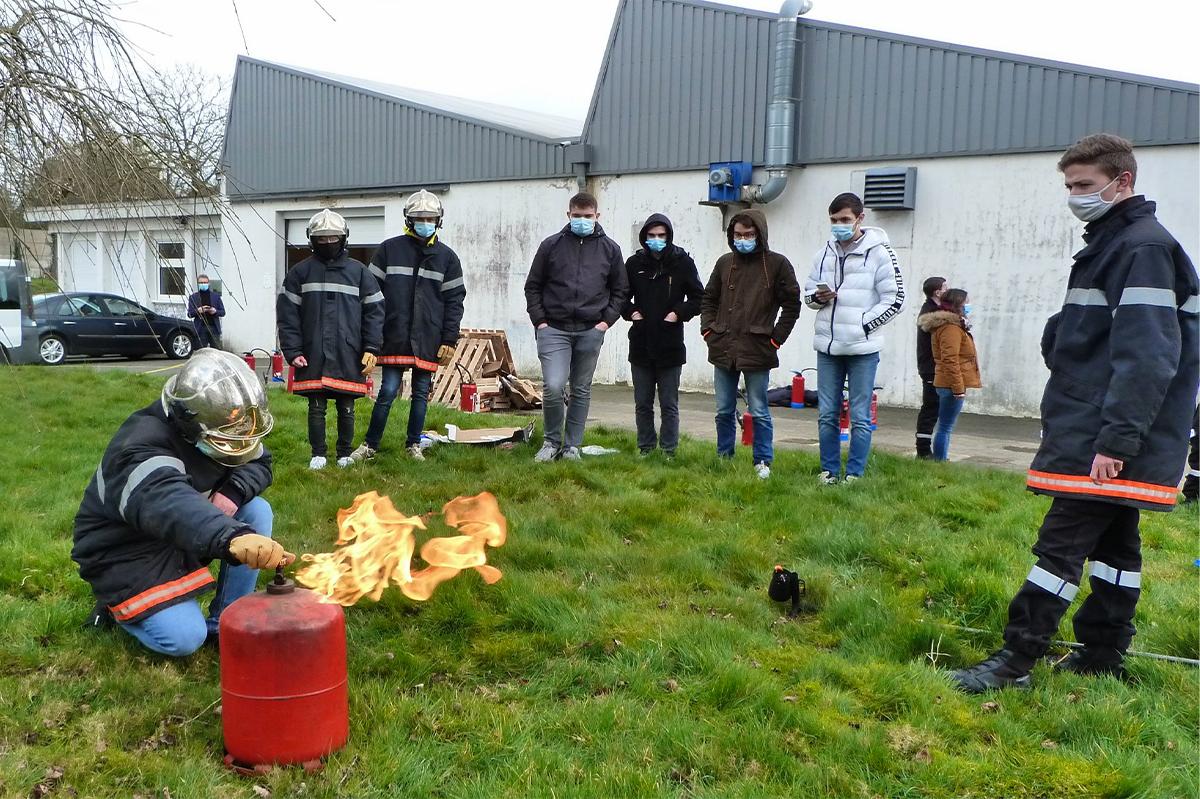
x=856, y=288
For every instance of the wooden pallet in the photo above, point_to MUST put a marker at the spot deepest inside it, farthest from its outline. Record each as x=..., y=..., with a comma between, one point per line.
x=469, y=356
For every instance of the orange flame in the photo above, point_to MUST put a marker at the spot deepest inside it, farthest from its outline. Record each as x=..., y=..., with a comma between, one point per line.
x=376, y=544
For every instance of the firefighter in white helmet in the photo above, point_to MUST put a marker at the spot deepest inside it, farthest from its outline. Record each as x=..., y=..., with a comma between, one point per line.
x=423, y=291
x=180, y=485
x=330, y=316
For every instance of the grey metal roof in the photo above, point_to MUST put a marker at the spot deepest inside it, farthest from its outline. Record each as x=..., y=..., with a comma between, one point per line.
x=685, y=83
x=297, y=132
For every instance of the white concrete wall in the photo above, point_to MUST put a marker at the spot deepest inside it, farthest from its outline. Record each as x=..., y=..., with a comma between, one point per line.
x=997, y=226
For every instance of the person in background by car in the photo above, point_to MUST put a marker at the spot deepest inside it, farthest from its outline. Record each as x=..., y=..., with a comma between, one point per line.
x=665, y=291
x=1191, y=484
x=180, y=485
x=205, y=308
x=956, y=366
x=933, y=288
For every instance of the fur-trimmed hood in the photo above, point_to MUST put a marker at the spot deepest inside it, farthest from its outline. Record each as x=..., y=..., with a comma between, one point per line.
x=931, y=321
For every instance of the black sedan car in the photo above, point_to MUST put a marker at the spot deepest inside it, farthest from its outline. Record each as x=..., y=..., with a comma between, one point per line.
x=91, y=323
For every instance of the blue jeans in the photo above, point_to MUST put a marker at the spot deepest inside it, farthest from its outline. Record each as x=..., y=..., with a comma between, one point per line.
x=832, y=373
x=422, y=381
x=181, y=629
x=726, y=383
x=949, y=407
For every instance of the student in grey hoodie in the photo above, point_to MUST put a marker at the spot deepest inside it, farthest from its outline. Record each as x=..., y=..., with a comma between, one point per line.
x=856, y=288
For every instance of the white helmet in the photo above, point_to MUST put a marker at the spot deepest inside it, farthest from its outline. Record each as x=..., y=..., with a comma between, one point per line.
x=423, y=205
x=219, y=405
x=327, y=223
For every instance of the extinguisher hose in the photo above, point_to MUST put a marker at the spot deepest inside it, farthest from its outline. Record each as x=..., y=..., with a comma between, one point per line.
x=466, y=374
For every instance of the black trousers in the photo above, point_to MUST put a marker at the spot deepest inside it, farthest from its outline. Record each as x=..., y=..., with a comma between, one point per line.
x=317, y=405
x=646, y=380
x=927, y=418
x=1076, y=530
x=207, y=337
x=1191, y=484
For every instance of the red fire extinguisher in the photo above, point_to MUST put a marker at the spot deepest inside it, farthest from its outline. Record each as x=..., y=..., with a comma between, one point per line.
x=844, y=422
x=875, y=408
x=283, y=679
x=798, y=387
x=747, y=429
x=277, y=366
x=468, y=392
x=250, y=360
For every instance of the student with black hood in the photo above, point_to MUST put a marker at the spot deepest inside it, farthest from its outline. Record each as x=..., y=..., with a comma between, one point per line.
x=665, y=291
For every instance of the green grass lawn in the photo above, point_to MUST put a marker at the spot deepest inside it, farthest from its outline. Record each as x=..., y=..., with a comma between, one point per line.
x=629, y=651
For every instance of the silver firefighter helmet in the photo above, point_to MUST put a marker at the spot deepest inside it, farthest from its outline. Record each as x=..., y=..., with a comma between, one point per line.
x=220, y=405
x=327, y=223
x=422, y=205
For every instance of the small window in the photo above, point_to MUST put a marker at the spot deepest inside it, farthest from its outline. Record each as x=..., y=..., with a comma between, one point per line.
x=170, y=250
x=10, y=289
x=87, y=306
x=63, y=307
x=172, y=274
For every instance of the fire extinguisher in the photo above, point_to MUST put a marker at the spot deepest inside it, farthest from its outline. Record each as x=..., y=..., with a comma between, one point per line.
x=844, y=422
x=277, y=366
x=747, y=429
x=798, y=387
x=250, y=360
x=875, y=408
x=468, y=392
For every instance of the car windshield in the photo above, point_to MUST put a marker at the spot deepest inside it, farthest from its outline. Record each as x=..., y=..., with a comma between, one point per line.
x=10, y=288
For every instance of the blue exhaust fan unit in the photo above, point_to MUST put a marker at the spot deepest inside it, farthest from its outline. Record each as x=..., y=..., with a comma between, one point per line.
x=726, y=179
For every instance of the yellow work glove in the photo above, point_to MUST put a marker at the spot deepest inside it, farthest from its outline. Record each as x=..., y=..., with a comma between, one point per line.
x=445, y=353
x=368, y=362
x=259, y=552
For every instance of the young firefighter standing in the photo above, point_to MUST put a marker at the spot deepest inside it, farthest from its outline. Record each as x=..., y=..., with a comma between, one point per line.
x=423, y=294
x=1124, y=364
x=664, y=294
x=330, y=316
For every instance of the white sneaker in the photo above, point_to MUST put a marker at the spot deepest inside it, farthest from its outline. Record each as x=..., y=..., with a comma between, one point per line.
x=570, y=454
x=317, y=462
x=762, y=470
x=415, y=452
x=344, y=462
x=363, y=453
x=827, y=479
x=853, y=478
x=547, y=453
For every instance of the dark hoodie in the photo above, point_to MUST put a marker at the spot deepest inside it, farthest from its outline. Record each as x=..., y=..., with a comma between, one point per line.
x=659, y=284
x=740, y=316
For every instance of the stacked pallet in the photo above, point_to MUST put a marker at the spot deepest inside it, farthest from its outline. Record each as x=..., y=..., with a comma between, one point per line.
x=482, y=356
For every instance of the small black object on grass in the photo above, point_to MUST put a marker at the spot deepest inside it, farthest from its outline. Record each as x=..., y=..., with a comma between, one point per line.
x=786, y=586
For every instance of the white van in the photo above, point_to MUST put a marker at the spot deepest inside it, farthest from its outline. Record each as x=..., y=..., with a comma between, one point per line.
x=18, y=336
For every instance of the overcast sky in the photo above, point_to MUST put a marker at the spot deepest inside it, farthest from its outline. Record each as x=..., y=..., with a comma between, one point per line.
x=543, y=55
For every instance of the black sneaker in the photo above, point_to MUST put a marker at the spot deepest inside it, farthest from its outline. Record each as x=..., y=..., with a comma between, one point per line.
x=1099, y=661
x=100, y=618
x=1003, y=669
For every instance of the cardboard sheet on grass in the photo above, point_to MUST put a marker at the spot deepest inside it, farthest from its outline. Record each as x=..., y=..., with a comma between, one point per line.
x=489, y=436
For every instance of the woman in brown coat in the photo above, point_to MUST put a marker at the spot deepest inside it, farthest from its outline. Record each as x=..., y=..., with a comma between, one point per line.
x=956, y=367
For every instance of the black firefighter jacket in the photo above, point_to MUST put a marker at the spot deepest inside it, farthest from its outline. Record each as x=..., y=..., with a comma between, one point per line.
x=1124, y=362
x=423, y=295
x=331, y=313
x=146, y=529
x=659, y=284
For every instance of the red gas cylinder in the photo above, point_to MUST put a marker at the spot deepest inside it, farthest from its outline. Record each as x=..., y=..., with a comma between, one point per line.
x=277, y=366
x=283, y=678
x=747, y=429
x=468, y=397
x=798, y=390
x=844, y=421
x=248, y=357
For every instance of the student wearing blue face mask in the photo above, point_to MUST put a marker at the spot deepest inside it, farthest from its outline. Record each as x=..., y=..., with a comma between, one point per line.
x=750, y=305
x=664, y=294
x=574, y=293
x=423, y=289
x=856, y=288
x=956, y=364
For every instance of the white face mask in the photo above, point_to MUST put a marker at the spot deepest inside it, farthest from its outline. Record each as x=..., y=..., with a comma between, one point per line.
x=1090, y=207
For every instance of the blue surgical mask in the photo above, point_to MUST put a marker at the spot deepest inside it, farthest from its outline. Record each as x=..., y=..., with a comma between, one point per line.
x=967, y=309
x=202, y=286
x=424, y=229
x=1090, y=207
x=582, y=227
x=745, y=246
x=842, y=232
x=657, y=245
